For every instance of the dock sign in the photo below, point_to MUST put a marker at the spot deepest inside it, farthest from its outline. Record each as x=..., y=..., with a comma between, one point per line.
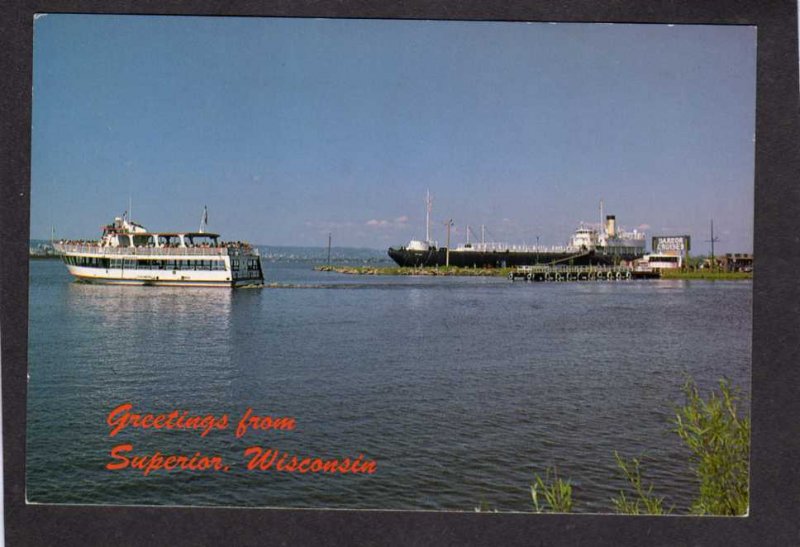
x=671, y=244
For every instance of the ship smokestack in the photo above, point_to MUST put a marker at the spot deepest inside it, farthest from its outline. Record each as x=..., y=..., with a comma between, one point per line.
x=611, y=225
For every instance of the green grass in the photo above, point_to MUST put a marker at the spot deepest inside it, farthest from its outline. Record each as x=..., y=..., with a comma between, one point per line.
x=705, y=274
x=642, y=501
x=556, y=493
x=719, y=439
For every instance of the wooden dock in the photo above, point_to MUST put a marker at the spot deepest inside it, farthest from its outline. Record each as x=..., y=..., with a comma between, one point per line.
x=578, y=273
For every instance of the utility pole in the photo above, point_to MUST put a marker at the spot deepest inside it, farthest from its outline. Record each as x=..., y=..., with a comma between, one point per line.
x=329, y=248
x=686, y=244
x=712, y=241
x=449, y=223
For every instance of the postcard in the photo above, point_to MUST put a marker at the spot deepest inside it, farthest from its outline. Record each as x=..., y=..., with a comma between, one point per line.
x=244, y=311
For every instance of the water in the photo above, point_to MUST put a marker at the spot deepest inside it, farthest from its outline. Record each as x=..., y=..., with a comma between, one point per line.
x=460, y=388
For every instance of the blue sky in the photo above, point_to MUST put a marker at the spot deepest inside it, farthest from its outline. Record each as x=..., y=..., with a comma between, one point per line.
x=290, y=128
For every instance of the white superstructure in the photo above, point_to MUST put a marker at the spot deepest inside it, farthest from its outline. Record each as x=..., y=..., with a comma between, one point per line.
x=609, y=238
x=416, y=244
x=129, y=254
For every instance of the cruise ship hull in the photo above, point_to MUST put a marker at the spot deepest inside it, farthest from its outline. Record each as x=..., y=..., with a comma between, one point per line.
x=503, y=259
x=118, y=276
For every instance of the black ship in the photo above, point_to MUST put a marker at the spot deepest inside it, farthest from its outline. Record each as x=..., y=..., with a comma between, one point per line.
x=589, y=246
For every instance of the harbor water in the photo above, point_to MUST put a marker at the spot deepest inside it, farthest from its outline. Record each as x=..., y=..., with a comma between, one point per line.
x=460, y=388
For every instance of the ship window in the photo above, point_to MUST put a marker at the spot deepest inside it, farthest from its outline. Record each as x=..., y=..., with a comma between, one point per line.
x=141, y=241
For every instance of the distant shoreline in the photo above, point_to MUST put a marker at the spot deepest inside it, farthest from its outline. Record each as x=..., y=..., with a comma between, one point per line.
x=398, y=270
x=503, y=272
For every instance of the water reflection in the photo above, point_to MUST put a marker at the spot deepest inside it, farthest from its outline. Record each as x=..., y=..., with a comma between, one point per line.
x=116, y=305
x=173, y=338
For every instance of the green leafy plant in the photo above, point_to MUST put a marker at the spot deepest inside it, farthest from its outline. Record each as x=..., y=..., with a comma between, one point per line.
x=643, y=502
x=557, y=493
x=719, y=439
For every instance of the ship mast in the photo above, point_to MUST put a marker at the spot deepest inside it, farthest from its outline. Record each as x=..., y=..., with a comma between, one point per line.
x=602, y=220
x=428, y=206
x=204, y=220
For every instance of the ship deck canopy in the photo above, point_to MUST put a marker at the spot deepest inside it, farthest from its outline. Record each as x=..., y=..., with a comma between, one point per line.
x=177, y=234
x=169, y=239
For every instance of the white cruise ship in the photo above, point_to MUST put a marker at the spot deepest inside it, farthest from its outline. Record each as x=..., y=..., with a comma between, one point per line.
x=128, y=254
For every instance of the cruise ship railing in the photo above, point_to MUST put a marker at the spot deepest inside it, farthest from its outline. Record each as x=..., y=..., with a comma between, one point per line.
x=154, y=251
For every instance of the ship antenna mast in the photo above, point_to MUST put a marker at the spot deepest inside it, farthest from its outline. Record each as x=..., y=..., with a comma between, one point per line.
x=602, y=225
x=428, y=206
x=204, y=220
